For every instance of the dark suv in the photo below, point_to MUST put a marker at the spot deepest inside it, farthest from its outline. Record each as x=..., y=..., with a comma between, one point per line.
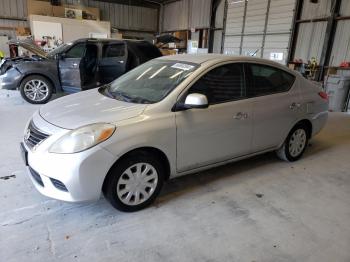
x=72, y=67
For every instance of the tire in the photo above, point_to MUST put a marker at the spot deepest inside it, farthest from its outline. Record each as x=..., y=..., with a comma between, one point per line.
x=295, y=144
x=120, y=183
x=36, y=89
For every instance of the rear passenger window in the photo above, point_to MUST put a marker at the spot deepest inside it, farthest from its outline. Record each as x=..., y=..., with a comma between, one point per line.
x=265, y=80
x=113, y=50
x=222, y=84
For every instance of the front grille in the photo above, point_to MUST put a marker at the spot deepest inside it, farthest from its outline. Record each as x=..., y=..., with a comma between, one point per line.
x=34, y=136
x=59, y=185
x=36, y=176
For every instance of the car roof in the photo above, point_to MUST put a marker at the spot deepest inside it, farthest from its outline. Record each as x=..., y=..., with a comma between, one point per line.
x=202, y=58
x=108, y=40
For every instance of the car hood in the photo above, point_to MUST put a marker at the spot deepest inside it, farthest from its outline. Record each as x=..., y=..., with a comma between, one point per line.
x=88, y=107
x=30, y=46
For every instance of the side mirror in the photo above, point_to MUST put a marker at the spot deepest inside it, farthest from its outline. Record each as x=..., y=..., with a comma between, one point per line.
x=196, y=100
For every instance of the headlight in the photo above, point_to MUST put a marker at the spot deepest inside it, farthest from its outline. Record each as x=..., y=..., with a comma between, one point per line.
x=82, y=138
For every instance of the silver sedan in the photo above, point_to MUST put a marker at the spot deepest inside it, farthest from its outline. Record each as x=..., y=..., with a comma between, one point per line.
x=169, y=117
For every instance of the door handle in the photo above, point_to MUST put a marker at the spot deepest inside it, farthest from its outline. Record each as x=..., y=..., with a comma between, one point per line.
x=121, y=62
x=74, y=65
x=294, y=105
x=240, y=115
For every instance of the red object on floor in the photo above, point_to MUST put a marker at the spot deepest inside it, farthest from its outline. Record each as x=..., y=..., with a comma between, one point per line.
x=345, y=64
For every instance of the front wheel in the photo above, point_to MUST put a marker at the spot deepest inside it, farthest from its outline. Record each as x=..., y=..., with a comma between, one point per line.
x=134, y=182
x=36, y=89
x=294, y=145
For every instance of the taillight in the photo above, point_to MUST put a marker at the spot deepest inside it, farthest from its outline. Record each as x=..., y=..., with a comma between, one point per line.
x=323, y=95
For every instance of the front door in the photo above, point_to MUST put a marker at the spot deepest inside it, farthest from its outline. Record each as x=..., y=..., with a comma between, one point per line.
x=224, y=129
x=113, y=62
x=69, y=68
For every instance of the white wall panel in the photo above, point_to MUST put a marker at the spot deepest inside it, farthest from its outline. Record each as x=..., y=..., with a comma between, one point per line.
x=341, y=46
x=345, y=8
x=234, y=19
x=219, y=18
x=186, y=14
x=277, y=15
x=281, y=15
x=316, y=10
x=276, y=44
x=200, y=13
x=217, y=41
x=232, y=45
x=124, y=16
x=13, y=8
x=176, y=16
x=256, y=15
x=252, y=44
x=310, y=41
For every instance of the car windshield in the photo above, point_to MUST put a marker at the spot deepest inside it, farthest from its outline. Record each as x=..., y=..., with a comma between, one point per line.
x=150, y=82
x=58, y=50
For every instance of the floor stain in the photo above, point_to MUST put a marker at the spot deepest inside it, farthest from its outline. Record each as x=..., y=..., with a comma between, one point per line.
x=7, y=177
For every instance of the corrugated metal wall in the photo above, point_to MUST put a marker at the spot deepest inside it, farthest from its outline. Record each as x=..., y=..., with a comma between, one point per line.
x=259, y=26
x=121, y=16
x=124, y=16
x=234, y=27
x=341, y=45
x=14, y=9
x=316, y=10
x=310, y=41
x=311, y=34
x=186, y=14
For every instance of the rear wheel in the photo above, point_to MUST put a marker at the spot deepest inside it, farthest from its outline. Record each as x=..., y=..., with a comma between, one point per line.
x=36, y=89
x=295, y=144
x=134, y=182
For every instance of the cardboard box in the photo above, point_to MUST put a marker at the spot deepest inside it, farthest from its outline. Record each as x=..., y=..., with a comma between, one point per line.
x=44, y=7
x=22, y=31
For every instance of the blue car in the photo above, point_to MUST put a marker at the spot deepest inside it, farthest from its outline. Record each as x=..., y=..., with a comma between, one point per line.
x=72, y=67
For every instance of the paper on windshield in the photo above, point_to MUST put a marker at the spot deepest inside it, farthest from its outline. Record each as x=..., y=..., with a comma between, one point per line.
x=182, y=66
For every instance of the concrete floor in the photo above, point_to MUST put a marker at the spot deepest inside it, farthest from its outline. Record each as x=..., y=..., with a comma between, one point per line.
x=259, y=209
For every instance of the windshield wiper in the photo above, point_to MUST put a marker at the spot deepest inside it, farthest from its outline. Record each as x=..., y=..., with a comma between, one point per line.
x=105, y=90
x=121, y=96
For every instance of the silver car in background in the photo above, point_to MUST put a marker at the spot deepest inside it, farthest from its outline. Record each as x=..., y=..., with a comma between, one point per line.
x=169, y=117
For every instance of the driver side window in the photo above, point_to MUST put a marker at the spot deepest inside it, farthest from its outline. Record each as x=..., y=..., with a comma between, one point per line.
x=76, y=51
x=221, y=84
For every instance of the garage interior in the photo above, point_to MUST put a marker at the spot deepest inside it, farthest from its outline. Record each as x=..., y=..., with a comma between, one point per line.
x=258, y=209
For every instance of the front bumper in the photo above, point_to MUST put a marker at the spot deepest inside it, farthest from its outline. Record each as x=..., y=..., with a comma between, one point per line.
x=81, y=174
x=10, y=79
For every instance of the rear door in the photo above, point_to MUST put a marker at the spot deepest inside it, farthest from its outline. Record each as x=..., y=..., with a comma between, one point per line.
x=276, y=104
x=113, y=61
x=70, y=66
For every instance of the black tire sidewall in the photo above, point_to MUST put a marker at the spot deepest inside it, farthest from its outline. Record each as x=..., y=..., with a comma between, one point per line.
x=110, y=185
x=286, y=148
x=41, y=78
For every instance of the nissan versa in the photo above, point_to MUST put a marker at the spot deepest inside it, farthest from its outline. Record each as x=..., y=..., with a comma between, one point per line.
x=169, y=117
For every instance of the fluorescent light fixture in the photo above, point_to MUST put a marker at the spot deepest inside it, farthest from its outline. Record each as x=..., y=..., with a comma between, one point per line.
x=144, y=73
x=175, y=75
x=158, y=71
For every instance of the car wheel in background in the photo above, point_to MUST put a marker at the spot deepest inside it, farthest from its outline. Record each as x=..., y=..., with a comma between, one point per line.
x=134, y=182
x=36, y=89
x=295, y=144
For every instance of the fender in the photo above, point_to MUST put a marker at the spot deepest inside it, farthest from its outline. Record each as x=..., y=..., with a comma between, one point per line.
x=45, y=68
